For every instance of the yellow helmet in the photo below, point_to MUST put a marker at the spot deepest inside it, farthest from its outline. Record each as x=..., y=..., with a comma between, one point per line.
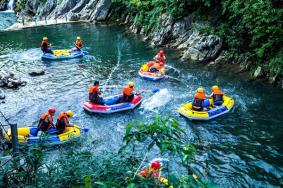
x=131, y=84
x=200, y=90
x=70, y=113
x=215, y=87
x=44, y=38
x=78, y=38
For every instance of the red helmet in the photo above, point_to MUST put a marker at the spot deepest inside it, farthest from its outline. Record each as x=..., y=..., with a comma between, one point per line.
x=51, y=110
x=161, y=52
x=155, y=164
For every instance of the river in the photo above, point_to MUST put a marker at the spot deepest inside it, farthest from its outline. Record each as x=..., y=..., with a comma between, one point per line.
x=242, y=148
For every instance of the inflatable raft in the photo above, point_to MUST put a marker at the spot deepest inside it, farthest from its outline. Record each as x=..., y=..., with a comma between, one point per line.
x=145, y=74
x=28, y=135
x=63, y=54
x=112, y=104
x=187, y=110
x=151, y=76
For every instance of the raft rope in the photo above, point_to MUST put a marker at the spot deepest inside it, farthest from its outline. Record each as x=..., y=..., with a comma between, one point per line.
x=114, y=69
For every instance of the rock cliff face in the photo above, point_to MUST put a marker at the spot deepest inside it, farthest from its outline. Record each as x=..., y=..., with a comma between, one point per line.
x=178, y=34
x=182, y=34
x=92, y=10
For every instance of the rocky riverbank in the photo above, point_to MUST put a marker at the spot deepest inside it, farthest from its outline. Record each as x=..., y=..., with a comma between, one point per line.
x=183, y=34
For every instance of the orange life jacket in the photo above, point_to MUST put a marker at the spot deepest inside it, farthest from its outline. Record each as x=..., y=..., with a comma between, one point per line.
x=61, y=116
x=42, y=120
x=150, y=63
x=217, y=92
x=79, y=43
x=148, y=172
x=198, y=99
x=93, y=89
x=217, y=96
x=128, y=91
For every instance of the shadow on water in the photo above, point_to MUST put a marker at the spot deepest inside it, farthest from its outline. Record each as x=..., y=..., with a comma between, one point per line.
x=241, y=148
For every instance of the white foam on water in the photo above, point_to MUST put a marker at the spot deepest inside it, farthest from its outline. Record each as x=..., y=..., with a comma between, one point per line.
x=27, y=55
x=159, y=99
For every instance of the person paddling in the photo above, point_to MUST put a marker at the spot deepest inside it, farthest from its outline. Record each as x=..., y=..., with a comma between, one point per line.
x=216, y=95
x=94, y=94
x=63, y=121
x=129, y=93
x=45, y=47
x=46, y=121
x=78, y=44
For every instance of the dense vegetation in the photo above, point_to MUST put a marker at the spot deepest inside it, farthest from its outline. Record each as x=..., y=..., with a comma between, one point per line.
x=90, y=168
x=252, y=27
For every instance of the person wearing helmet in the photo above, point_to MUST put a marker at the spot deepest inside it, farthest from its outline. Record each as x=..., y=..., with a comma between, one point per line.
x=160, y=62
x=78, y=44
x=216, y=95
x=151, y=170
x=63, y=121
x=199, y=99
x=94, y=94
x=45, y=47
x=128, y=92
x=46, y=121
x=160, y=57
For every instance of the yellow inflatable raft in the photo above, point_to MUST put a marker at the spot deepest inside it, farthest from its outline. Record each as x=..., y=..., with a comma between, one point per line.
x=187, y=110
x=29, y=135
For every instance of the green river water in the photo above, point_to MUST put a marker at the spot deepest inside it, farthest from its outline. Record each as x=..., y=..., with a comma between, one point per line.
x=243, y=148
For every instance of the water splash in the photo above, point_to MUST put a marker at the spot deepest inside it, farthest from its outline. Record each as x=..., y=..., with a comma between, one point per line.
x=159, y=99
x=26, y=55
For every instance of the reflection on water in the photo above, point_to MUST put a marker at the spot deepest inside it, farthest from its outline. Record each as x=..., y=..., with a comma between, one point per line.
x=242, y=148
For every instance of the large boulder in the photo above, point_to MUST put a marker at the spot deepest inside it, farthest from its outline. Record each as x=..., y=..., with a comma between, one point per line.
x=101, y=10
x=9, y=80
x=201, y=47
x=37, y=72
x=163, y=34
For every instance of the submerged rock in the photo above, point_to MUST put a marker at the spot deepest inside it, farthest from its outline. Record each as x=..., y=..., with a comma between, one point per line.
x=37, y=72
x=8, y=80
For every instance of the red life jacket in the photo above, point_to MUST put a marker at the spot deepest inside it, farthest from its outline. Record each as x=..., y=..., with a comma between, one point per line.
x=44, y=46
x=160, y=58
